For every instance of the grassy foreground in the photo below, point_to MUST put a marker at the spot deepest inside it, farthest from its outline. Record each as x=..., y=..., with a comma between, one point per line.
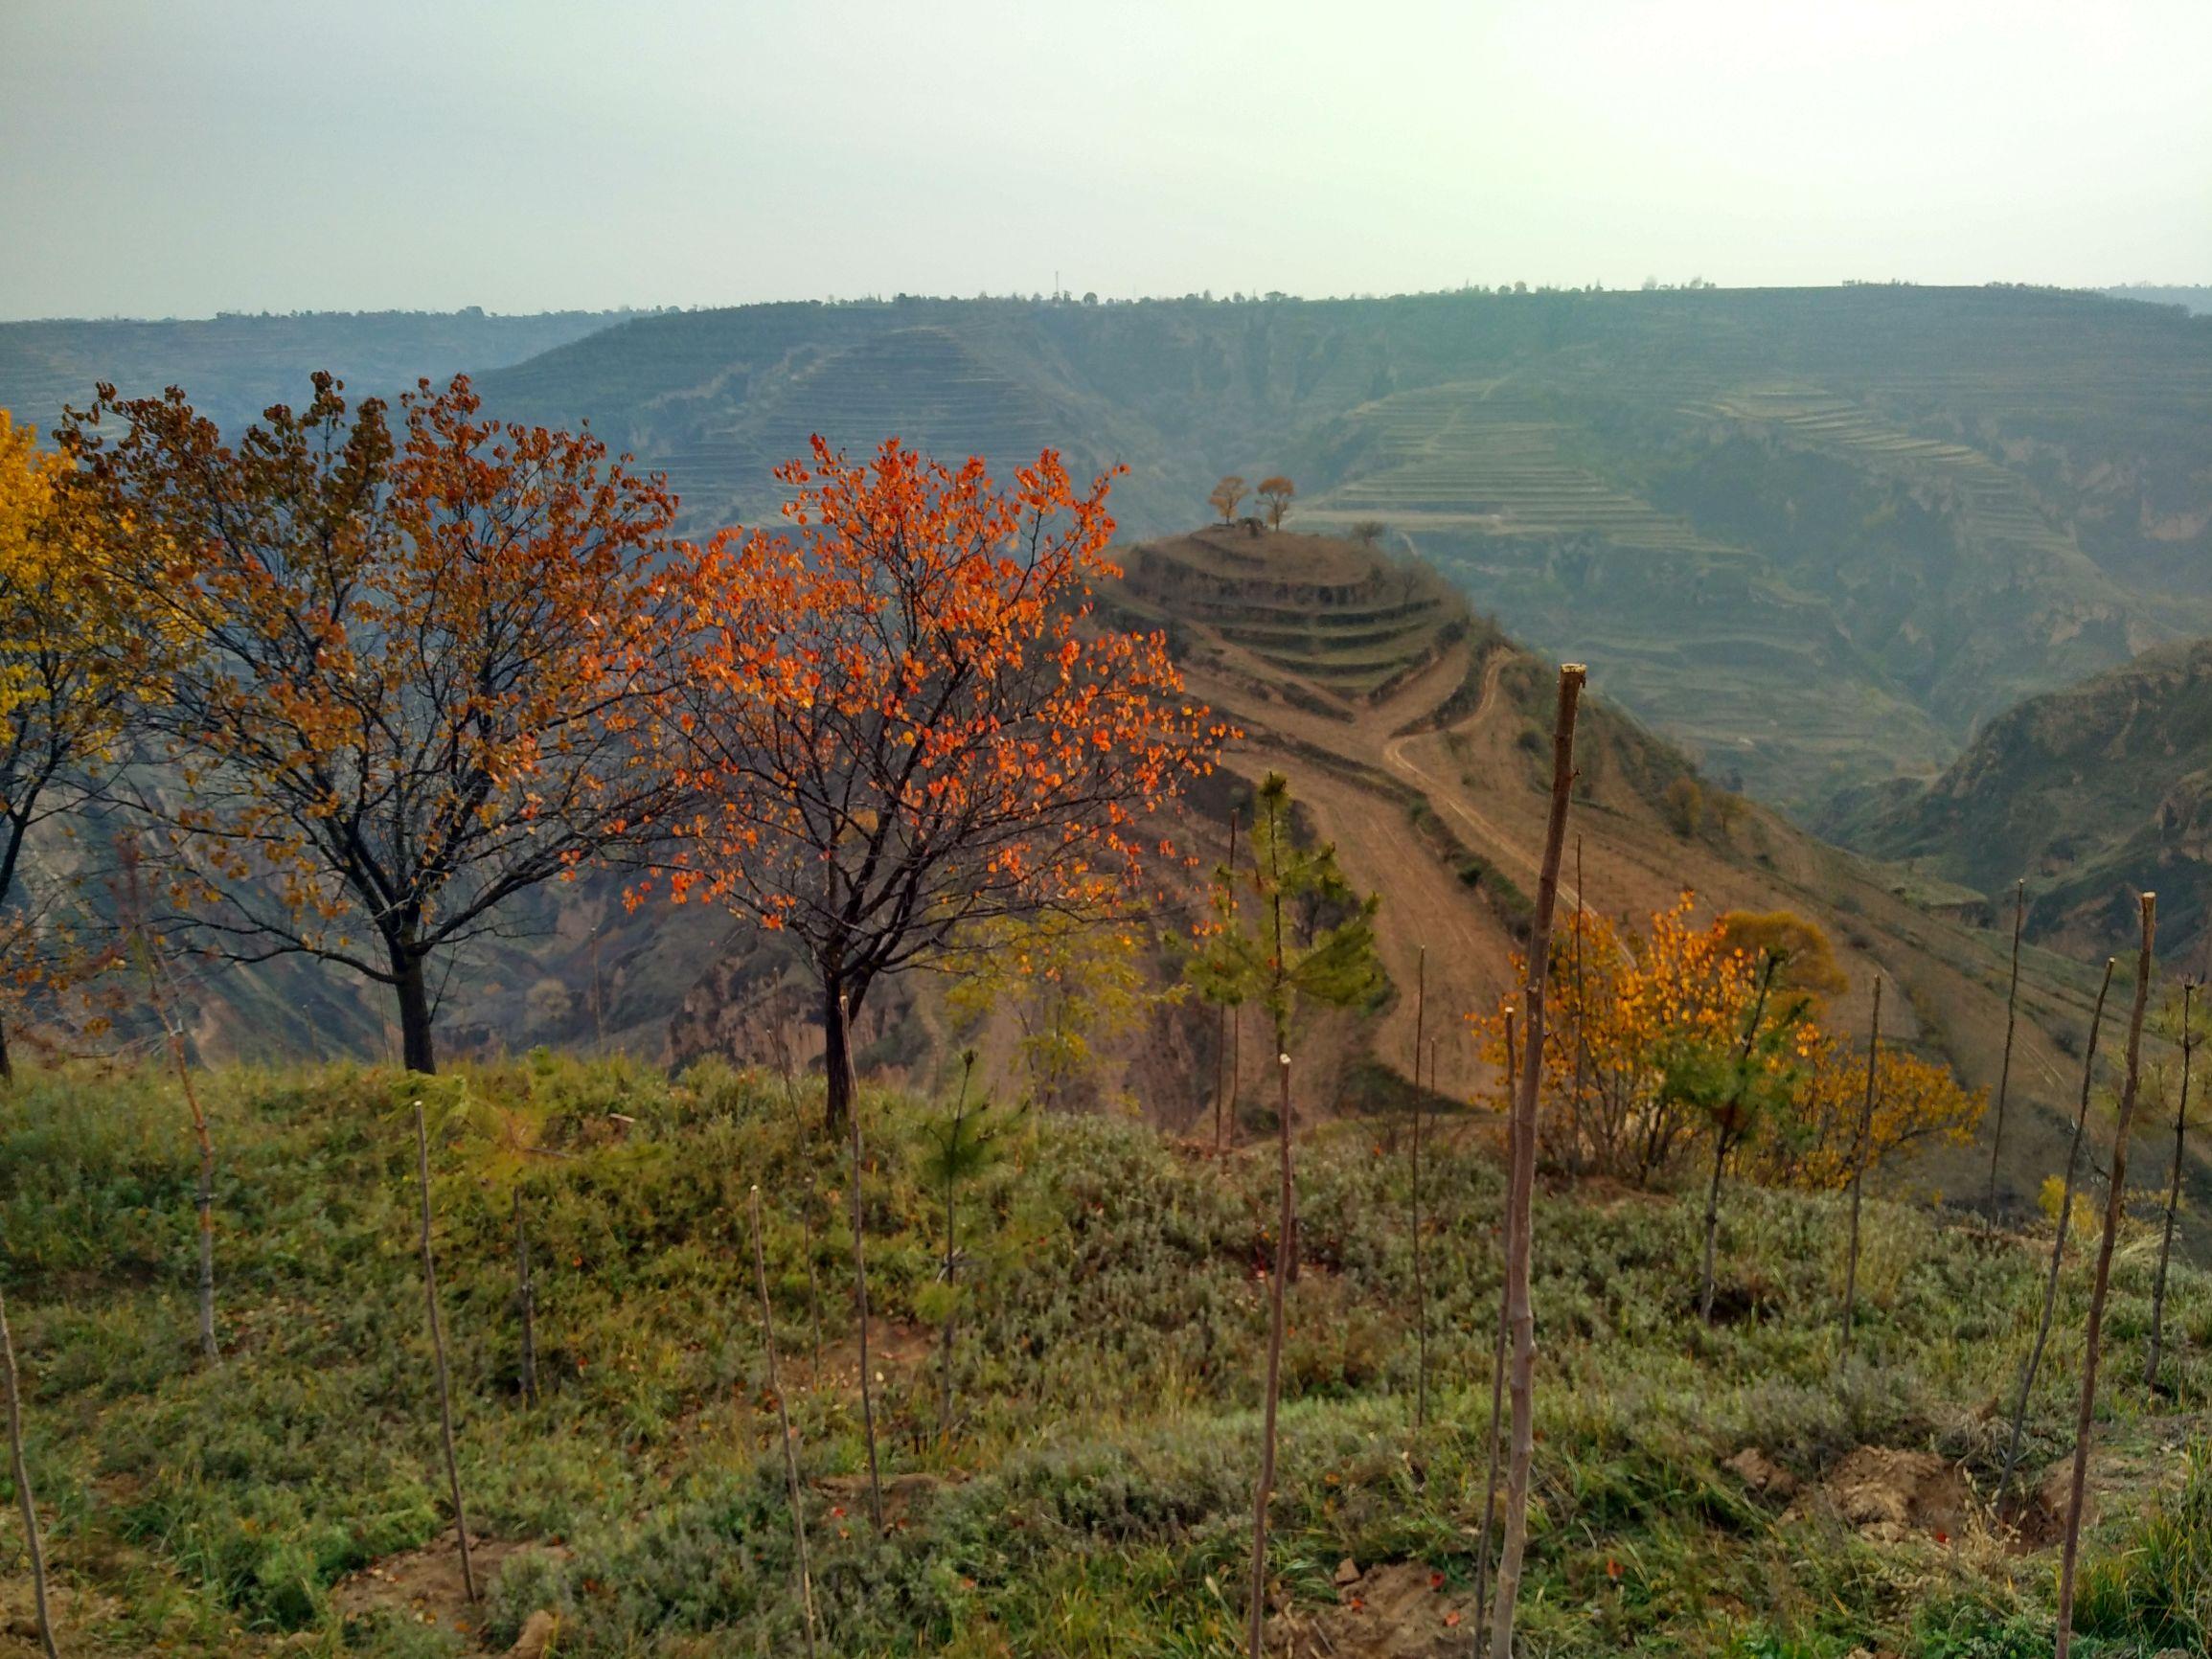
x=1093, y=1498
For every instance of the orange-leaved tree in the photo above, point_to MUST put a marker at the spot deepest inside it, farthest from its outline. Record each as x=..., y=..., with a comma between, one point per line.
x=420, y=672
x=75, y=648
x=901, y=718
x=1276, y=492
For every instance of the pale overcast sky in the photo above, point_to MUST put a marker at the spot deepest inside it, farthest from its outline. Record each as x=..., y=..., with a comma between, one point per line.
x=177, y=157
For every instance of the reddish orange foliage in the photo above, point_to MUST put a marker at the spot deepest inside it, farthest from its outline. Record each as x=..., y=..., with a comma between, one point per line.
x=416, y=678
x=902, y=719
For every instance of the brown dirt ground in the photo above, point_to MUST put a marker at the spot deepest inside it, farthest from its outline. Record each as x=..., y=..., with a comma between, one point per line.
x=424, y=1585
x=1397, y=1610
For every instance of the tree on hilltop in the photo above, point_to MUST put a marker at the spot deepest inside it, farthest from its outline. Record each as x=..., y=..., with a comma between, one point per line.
x=902, y=723
x=1229, y=495
x=417, y=671
x=1276, y=492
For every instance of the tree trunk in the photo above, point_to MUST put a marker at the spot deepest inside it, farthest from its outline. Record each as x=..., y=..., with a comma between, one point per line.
x=2173, y=1200
x=1286, y=1219
x=23, y=1485
x=437, y=1347
x=1520, y=1197
x=2012, y=1013
x=2115, y=1205
x=1496, y=1389
x=783, y=1424
x=7, y=1065
x=417, y=1052
x=1712, y=1225
x=841, y=1013
x=836, y=1055
x=526, y=1302
x=1859, y=1168
x=1236, y=1066
x=1725, y=1142
x=2058, y=1247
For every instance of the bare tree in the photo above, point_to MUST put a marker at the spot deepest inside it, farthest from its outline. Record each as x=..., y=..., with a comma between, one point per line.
x=860, y=1288
x=438, y=1348
x=2012, y=1015
x=2115, y=1205
x=2173, y=1194
x=22, y=1476
x=2034, y=1360
x=1496, y=1383
x=1419, y=1274
x=1520, y=1193
x=783, y=1425
x=1858, y=1166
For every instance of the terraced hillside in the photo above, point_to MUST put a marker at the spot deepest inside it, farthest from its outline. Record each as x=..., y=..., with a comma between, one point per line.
x=1816, y=534
x=1426, y=761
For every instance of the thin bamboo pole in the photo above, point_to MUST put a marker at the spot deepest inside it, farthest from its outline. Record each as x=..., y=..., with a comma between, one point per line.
x=1522, y=1192
x=2115, y=1205
x=783, y=1425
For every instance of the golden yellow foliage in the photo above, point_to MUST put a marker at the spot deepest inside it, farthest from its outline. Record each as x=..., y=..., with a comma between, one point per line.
x=1632, y=1018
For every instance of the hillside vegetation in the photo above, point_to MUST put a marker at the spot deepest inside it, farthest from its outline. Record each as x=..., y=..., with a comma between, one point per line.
x=1726, y=1490
x=2087, y=793
x=1815, y=534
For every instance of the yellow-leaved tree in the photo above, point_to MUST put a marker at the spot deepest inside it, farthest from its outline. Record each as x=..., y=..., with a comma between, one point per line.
x=73, y=646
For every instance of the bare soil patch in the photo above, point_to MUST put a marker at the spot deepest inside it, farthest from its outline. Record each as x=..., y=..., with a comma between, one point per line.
x=1891, y=1496
x=1397, y=1610
x=424, y=1586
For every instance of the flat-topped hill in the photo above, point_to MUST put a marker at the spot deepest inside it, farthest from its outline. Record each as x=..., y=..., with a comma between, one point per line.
x=1335, y=618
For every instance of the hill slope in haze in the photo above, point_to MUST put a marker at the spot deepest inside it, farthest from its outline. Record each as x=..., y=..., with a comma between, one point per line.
x=2091, y=794
x=238, y=364
x=1815, y=534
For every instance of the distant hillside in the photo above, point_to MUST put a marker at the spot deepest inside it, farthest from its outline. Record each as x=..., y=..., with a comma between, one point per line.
x=236, y=365
x=2195, y=299
x=1815, y=534
x=2092, y=793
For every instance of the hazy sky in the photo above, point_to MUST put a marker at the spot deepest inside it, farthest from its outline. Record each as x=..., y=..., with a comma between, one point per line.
x=177, y=157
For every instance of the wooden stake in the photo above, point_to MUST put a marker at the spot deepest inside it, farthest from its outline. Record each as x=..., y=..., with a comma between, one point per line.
x=23, y=1485
x=1222, y=1093
x=437, y=1346
x=526, y=1297
x=1858, y=1166
x=1520, y=1193
x=1420, y=1274
x=2012, y=1015
x=2115, y=1205
x=783, y=1424
x=1264, y=1489
x=1496, y=1387
x=860, y=1278
x=2173, y=1198
x=2058, y=1245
